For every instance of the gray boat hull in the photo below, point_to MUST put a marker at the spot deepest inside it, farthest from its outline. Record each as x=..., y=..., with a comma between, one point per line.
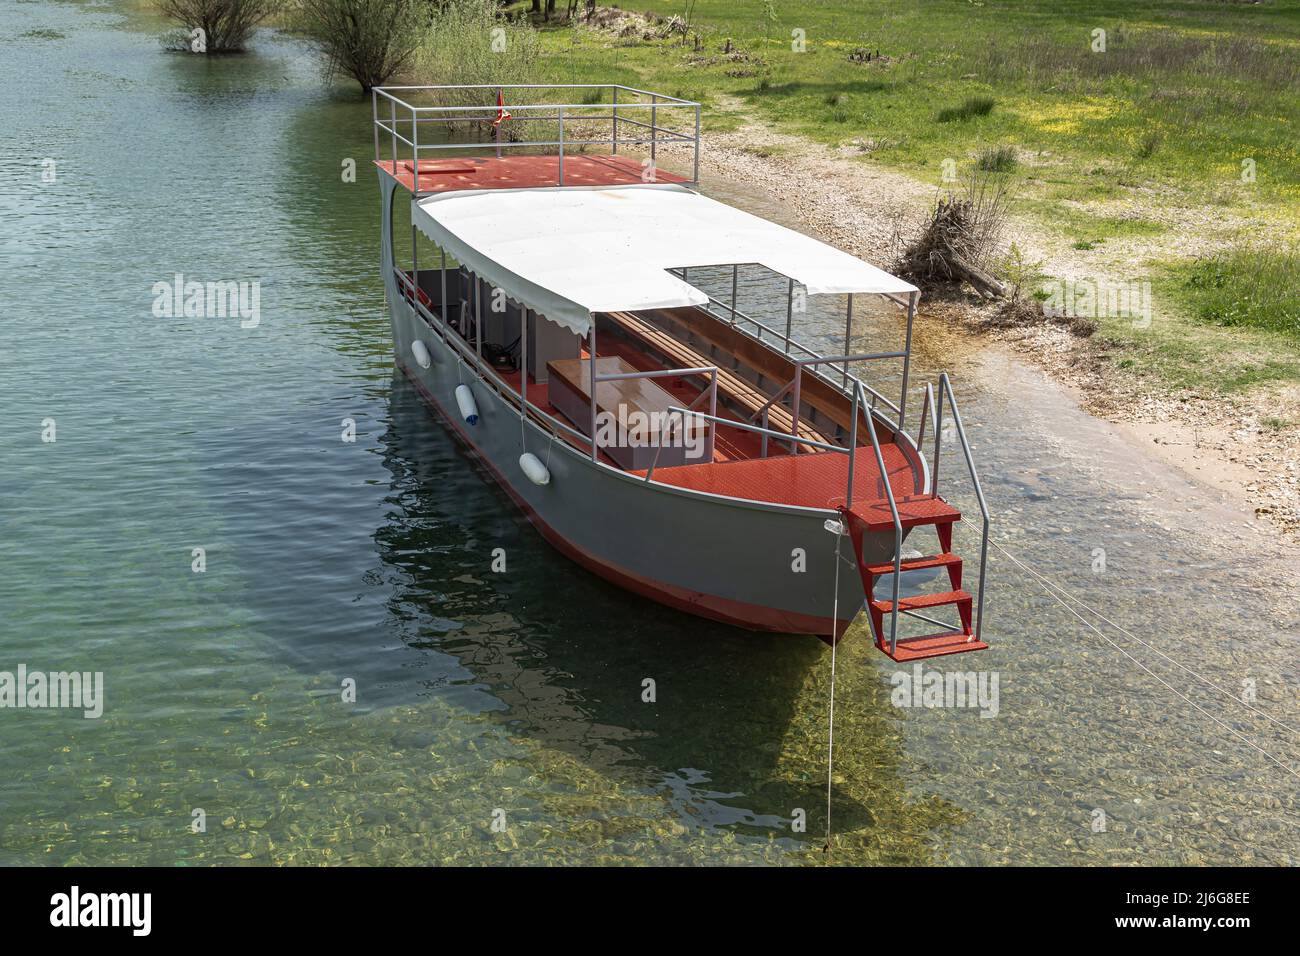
x=751, y=564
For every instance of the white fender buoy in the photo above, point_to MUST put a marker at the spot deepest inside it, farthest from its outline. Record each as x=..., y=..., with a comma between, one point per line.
x=421, y=353
x=468, y=408
x=533, y=468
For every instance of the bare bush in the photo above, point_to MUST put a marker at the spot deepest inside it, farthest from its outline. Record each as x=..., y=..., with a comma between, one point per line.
x=226, y=24
x=368, y=40
x=962, y=240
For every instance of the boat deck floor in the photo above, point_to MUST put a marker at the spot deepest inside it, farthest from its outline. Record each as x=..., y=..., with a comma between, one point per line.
x=816, y=480
x=521, y=172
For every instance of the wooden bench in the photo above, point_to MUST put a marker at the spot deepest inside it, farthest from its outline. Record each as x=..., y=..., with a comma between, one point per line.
x=748, y=395
x=814, y=393
x=646, y=431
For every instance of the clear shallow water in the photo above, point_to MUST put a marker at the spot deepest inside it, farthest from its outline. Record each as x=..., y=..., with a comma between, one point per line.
x=519, y=692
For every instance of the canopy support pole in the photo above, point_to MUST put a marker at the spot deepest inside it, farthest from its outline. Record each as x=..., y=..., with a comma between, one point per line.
x=735, y=276
x=442, y=306
x=478, y=319
x=789, y=313
x=523, y=366
x=591, y=366
x=907, y=357
x=848, y=337
x=415, y=274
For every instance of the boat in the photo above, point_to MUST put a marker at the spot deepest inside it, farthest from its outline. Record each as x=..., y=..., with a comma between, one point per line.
x=653, y=432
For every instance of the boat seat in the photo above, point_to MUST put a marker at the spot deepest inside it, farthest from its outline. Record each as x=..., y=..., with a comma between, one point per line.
x=748, y=395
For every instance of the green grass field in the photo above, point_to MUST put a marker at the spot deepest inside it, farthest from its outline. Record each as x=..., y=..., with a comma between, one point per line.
x=1191, y=105
x=1183, y=93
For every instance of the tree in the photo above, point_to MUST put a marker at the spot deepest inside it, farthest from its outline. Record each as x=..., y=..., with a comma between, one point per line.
x=369, y=40
x=226, y=24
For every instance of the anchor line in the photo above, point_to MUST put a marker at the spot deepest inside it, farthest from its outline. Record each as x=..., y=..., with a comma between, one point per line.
x=1246, y=740
x=830, y=723
x=1151, y=647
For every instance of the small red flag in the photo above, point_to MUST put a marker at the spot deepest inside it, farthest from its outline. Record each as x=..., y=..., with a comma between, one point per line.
x=502, y=113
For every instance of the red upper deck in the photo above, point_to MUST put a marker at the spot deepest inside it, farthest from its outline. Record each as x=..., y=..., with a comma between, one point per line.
x=521, y=172
x=532, y=136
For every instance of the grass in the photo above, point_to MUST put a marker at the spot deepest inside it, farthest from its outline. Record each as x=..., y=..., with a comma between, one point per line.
x=1185, y=90
x=1247, y=286
x=1184, y=348
x=1185, y=97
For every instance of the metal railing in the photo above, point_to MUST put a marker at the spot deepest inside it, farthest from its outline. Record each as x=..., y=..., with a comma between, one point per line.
x=929, y=411
x=639, y=109
x=788, y=343
x=784, y=338
x=859, y=404
x=859, y=395
x=796, y=383
x=936, y=413
x=439, y=325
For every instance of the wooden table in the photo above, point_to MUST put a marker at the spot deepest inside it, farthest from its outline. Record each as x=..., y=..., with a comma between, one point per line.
x=637, y=407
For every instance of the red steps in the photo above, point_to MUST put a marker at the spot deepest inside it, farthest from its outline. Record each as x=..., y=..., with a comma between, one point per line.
x=914, y=511
x=933, y=645
x=919, y=601
x=950, y=561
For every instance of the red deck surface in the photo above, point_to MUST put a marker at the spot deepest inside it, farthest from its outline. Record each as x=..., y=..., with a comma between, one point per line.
x=522, y=172
x=813, y=481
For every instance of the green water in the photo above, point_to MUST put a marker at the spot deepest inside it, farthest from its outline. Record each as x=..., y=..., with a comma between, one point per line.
x=480, y=695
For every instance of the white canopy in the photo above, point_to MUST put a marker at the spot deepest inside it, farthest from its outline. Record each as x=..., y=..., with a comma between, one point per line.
x=569, y=252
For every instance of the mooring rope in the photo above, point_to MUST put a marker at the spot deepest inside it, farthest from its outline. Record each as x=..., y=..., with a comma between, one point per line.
x=830, y=724
x=1151, y=647
x=1047, y=587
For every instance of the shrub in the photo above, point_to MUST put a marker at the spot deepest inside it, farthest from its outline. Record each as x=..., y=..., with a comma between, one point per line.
x=226, y=24
x=461, y=49
x=997, y=159
x=1148, y=144
x=369, y=40
x=971, y=107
